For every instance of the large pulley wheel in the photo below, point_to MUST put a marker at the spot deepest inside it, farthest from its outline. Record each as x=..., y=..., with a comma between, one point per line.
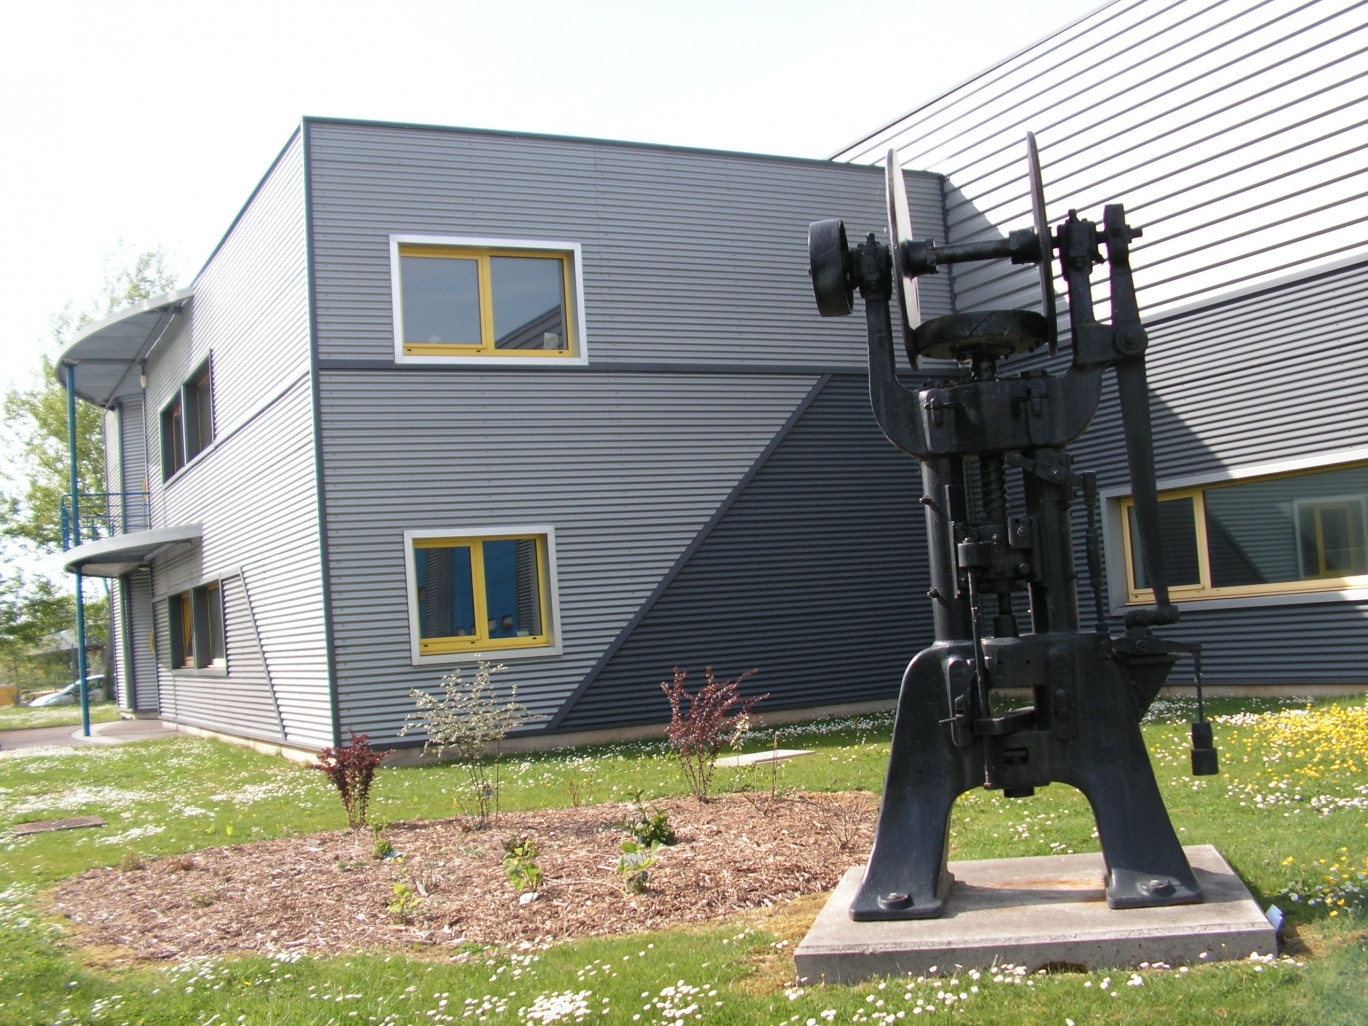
x=829, y=264
x=1042, y=229
x=900, y=230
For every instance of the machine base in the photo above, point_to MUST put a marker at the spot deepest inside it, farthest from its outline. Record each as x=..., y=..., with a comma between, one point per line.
x=1037, y=912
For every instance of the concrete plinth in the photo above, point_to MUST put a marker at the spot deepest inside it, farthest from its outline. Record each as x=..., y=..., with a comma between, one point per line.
x=1037, y=912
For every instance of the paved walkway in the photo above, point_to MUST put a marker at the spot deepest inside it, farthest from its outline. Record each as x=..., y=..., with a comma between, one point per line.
x=115, y=733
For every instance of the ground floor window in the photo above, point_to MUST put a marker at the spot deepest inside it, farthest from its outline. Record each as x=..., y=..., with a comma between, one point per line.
x=479, y=592
x=1296, y=532
x=197, y=633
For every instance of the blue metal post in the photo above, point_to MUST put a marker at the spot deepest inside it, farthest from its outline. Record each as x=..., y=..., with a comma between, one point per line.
x=76, y=540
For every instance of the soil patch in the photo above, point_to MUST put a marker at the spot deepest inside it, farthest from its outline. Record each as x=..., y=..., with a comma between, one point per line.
x=328, y=893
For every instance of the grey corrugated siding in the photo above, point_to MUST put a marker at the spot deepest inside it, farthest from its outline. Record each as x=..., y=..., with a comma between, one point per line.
x=1231, y=130
x=690, y=260
x=254, y=489
x=138, y=663
x=688, y=255
x=626, y=469
x=815, y=575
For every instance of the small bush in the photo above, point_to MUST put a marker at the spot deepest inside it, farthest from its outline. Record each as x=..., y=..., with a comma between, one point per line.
x=402, y=906
x=519, y=862
x=468, y=720
x=648, y=826
x=702, y=724
x=351, y=768
x=634, y=864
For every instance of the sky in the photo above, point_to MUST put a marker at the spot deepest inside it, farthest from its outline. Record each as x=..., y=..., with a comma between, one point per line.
x=132, y=124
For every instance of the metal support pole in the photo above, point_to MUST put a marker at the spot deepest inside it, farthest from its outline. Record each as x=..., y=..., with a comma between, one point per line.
x=76, y=540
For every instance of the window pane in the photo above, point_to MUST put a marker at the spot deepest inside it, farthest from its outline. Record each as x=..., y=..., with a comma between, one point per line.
x=1294, y=528
x=529, y=302
x=512, y=595
x=204, y=416
x=1178, y=536
x=182, y=631
x=446, y=599
x=441, y=300
x=213, y=596
x=173, y=439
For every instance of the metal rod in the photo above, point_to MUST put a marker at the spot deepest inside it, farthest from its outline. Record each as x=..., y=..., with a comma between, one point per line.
x=76, y=540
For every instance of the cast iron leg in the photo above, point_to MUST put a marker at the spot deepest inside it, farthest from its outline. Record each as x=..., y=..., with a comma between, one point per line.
x=906, y=877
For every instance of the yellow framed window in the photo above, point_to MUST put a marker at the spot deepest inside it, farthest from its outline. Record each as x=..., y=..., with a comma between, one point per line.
x=1289, y=533
x=198, y=636
x=474, y=301
x=480, y=594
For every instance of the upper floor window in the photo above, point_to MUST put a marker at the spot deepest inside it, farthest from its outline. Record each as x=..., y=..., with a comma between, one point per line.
x=485, y=299
x=1297, y=532
x=187, y=421
x=480, y=592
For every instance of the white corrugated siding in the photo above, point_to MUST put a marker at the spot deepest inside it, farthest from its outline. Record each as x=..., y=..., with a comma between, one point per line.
x=254, y=491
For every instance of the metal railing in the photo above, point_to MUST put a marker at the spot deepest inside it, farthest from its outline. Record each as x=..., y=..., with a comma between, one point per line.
x=104, y=515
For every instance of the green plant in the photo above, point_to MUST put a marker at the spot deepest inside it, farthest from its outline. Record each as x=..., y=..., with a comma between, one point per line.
x=351, y=768
x=635, y=862
x=519, y=862
x=702, y=724
x=648, y=826
x=404, y=903
x=131, y=862
x=469, y=720
x=383, y=850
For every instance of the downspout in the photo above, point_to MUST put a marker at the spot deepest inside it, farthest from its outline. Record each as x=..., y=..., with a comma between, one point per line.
x=75, y=541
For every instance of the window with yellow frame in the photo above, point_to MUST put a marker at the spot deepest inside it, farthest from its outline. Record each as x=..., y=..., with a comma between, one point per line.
x=468, y=300
x=1284, y=534
x=480, y=594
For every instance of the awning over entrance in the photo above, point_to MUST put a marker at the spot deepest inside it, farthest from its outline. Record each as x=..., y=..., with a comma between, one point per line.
x=116, y=556
x=108, y=355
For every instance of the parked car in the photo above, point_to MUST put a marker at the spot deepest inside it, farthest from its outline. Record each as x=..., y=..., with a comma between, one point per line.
x=71, y=694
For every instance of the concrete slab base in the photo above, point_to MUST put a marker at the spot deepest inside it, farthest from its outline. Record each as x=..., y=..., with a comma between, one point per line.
x=1038, y=912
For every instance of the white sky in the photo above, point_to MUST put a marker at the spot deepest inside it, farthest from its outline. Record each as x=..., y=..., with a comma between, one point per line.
x=135, y=123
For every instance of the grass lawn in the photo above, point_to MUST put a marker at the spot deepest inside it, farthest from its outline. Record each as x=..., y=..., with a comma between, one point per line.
x=22, y=717
x=1289, y=811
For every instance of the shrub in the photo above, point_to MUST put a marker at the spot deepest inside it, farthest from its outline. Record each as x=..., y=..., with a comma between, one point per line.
x=519, y=862
x=634, y=864
x=702, y=724
x=351, y=768
x=468, y=720
x=648, y=826
x=402, y=906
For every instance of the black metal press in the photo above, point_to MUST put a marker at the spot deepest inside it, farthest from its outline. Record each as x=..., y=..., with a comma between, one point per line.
x=1007, y=698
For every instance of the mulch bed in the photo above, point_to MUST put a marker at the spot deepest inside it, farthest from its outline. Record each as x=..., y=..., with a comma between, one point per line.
x=328, y=893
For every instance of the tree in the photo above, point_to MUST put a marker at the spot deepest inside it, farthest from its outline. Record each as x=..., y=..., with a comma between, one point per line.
x=36, y=417
x=38, y=474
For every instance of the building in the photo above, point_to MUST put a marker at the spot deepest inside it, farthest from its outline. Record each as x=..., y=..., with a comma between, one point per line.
x=565, y=404
x=645, y=450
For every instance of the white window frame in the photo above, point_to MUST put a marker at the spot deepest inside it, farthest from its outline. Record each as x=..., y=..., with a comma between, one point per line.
x=574, y=258
x=484, y=531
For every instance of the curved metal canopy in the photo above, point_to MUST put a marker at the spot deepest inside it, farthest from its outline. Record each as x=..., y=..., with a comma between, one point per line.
x=116, y=556
x=108, y=354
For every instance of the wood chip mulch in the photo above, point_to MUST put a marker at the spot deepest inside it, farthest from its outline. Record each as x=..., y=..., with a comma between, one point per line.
x=328, y=893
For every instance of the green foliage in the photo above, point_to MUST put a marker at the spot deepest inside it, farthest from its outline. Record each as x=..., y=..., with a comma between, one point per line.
x=648, y=827
x=469, y=720
x=382, y=850
x=402, y=906
x=703, y=723
x=520, y=866
x=634, y=863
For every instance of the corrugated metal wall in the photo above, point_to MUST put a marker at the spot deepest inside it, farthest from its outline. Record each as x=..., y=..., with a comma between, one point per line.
x=832, y=603
x=703, y=342
x=1232, y=131
x=254, y=489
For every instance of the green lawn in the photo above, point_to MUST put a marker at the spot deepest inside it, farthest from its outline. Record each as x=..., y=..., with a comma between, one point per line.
x=22, y=717
x=1289, y=811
